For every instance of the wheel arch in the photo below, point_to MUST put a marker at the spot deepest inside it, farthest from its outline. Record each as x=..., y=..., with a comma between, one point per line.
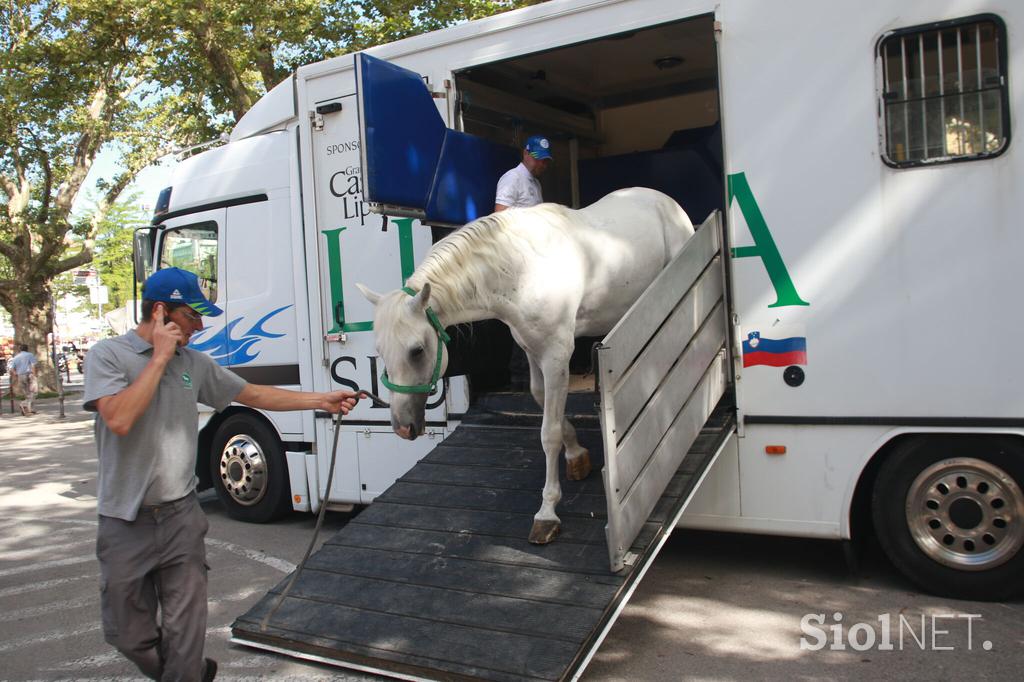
x=857, y=523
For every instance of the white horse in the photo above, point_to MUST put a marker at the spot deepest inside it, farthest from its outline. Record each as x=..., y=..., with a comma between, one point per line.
x=551, y=274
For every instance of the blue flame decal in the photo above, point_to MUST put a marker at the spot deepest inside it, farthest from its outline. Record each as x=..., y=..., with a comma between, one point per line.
x=228, y=351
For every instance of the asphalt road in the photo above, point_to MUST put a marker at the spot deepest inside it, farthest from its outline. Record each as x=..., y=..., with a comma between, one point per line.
x=713, y=606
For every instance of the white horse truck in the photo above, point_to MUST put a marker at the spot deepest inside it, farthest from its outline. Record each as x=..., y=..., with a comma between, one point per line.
x=857, y=157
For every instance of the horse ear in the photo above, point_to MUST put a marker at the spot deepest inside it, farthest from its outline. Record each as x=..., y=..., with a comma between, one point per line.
x=420, y=300
x=371, y=295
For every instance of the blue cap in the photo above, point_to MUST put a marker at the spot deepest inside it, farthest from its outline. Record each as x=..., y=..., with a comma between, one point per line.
x=174, y=285
x=539, y=147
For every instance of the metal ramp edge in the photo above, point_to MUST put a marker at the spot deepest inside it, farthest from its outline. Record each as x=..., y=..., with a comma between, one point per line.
x=435, y=580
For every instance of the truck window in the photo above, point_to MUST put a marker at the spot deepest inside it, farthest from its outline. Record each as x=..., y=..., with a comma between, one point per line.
x=193, y=248
x=944, y=92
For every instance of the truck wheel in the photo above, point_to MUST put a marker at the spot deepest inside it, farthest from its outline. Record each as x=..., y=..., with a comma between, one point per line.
x=249, y=470
x=949, y=513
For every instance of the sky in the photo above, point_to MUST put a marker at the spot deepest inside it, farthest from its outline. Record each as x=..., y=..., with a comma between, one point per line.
x=148, y=183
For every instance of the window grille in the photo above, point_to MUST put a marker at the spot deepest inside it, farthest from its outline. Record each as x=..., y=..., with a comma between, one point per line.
x=944, y=92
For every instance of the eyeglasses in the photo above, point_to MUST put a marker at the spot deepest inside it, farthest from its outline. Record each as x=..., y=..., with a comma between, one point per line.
x=193, y=317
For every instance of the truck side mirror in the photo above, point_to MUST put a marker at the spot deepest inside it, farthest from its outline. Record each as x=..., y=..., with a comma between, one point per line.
x=142, y=254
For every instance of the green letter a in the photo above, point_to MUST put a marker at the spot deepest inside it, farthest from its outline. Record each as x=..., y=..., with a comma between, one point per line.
x=764, y=246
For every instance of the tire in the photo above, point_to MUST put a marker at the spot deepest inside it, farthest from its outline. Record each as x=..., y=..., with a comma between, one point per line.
x=949, y=513
x=249, y=471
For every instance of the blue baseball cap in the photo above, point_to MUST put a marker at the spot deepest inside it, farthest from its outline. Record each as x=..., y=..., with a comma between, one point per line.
x=539, y=147
x=174, y=285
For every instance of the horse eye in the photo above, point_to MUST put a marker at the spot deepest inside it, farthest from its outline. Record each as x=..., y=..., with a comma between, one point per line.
x=416, y=353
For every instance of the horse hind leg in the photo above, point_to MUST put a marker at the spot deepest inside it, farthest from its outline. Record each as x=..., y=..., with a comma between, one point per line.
x=577, y=457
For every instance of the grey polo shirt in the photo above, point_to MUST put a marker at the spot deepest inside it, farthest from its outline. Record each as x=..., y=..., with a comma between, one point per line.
x=155, y=461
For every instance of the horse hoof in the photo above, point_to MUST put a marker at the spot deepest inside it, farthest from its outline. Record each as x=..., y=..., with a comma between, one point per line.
x=578, y=468
x=544, y=532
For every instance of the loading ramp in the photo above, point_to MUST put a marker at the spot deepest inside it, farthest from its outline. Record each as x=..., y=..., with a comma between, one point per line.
x=436, y=580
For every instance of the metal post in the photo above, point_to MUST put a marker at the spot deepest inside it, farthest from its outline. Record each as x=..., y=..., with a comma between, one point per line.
x=56, y=365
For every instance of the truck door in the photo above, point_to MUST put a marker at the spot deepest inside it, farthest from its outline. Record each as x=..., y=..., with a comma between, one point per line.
x=356, y=245
x=412, y=162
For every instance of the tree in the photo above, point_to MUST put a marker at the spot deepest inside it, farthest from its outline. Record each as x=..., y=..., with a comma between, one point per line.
x=70, y=83
x=233, y=51
x=113, y=258
x=143, y=76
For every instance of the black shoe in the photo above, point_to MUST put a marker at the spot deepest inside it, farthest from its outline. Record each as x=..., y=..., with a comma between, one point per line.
x=209, y=670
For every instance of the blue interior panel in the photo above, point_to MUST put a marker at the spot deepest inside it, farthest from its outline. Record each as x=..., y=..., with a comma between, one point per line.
x=467, y=177
x=403, y=133
x=413, y=160
x=688, y=169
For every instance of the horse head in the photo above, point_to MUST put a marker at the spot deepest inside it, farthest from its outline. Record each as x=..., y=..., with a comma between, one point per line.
x=409, y=341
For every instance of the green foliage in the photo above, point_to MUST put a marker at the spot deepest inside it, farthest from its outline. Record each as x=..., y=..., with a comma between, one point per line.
x=224, y=54
x=143, y=77
x=113, y=258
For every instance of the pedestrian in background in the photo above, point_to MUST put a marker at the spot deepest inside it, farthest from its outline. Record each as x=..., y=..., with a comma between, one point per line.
x=145, y=386
x=24, y=366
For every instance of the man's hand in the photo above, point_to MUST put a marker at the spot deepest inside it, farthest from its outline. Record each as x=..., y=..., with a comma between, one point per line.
x=166, y=337
x=339, y=401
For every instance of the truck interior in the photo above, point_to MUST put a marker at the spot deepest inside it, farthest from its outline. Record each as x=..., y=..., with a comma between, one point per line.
x=639, y=108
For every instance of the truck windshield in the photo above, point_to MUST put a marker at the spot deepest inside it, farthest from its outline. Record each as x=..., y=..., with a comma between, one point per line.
x=193, y=248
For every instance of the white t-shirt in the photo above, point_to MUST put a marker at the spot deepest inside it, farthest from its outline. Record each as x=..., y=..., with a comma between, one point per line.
x=518, y=189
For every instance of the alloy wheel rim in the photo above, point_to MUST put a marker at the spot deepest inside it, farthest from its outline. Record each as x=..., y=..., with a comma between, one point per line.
x=243, y=470
x=966, y=513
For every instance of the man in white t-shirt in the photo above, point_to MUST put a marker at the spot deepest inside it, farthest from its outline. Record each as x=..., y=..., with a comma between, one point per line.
x=519, y=187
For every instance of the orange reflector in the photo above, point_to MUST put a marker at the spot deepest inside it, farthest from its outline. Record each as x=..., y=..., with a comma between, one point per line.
x=298, y=499
x=775, y=449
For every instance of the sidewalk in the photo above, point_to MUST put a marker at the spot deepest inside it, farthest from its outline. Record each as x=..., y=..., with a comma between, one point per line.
x=48, y=409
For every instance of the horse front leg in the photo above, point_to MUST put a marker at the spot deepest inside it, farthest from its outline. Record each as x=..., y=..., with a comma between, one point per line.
x=546, y=523
x=577, y=457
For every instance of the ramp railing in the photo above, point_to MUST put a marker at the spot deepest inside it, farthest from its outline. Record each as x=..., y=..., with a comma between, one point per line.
x=661, y=371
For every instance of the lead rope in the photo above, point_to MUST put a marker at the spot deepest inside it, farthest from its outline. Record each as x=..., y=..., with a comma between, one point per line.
x=320, y=515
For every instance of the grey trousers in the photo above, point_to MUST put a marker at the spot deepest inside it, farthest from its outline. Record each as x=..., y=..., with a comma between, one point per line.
x=153, y=588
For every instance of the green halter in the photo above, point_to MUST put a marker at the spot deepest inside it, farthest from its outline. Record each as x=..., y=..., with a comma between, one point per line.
x=442, y=338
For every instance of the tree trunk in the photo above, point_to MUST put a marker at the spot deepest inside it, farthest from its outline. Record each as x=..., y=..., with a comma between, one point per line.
x=32, y=317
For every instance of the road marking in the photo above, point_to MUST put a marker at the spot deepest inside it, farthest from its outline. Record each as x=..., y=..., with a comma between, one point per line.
x=53, y=635
x=43, y=565
x=97, y=661
x=110, y=678
x=35, y=611
x=18, y=532
x=30, y=553
x=45, y=585
x=19, y=520
x=254, y=554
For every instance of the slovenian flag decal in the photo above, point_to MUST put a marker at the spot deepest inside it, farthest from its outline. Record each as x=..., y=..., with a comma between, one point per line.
x=774, y=352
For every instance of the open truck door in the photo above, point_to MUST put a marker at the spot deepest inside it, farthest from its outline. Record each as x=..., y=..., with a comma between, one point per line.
x=357, y=245
x=412, y=163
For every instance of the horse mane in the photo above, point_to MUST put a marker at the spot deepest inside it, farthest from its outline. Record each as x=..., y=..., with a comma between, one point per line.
x=465, y=267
